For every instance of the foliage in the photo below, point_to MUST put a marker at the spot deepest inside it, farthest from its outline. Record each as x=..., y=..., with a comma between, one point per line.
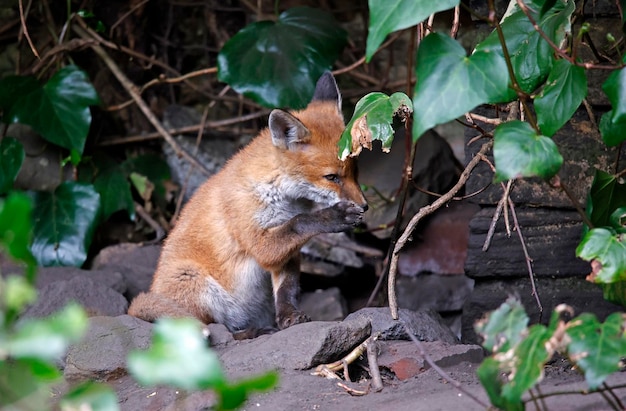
x=179, y=357
x=277, y=63
x=520, y=353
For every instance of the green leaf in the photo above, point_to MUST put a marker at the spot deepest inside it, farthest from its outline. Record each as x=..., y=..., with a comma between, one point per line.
x=595, y=347
x=16, y=293
x=606, y=195
x=530, y=359
x=65, y=221
x=607, y=249
x=443, y=70
x=113, y=186
x=612, y=133
x=11, y=87
x=16, y=229
x=11, y=158
x=387, y=16
x=375, y=111
x=615, y=292
x=531, y=56
x=617, y=220
x=60, y=110
x=615, y=89
x=502, y=329
x=90, y=396
x=179, y=356
x=564, y=91
x=232, y=396
x=48, y=338
x=519, y=151
x=489, y=374
x=25, y=384
x=278, y=63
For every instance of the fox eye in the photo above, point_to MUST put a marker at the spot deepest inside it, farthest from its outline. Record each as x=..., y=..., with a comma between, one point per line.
x=332, y=177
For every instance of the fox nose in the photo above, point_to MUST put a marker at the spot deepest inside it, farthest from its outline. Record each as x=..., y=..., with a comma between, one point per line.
x=365, y=206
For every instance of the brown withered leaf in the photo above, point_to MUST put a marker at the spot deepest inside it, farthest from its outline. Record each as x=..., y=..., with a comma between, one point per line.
x=596, y=267
x=361, y=136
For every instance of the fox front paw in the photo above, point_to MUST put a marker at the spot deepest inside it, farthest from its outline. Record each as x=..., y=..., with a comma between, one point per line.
x=295, y=317
x=342, y=216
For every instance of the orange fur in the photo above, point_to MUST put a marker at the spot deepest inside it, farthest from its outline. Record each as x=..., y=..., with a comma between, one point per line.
x=233, y=255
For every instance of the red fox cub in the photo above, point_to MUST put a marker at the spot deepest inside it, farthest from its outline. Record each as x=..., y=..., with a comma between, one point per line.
x=233, y=256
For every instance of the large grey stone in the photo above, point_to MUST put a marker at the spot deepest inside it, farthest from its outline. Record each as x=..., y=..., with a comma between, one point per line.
x=575, y=291
x=298, y=347
x=136, y=262
x=324, y=305
x=551, y=237
x=101, y=354
x=96, y=298
x=425, y=325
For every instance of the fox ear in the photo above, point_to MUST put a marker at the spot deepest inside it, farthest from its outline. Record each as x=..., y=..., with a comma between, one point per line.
x=286, y=130
x=326, y=90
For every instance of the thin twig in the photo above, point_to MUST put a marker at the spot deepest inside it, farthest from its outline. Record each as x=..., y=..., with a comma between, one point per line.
x=424, y=211
x=440, y=371
x=125, y=15
x=456, y=22
x=25, y=29
x=529, y=260
x=143, y=106
x=184, y=130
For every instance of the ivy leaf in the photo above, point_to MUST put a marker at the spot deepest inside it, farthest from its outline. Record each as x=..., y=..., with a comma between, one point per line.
x=613, y=133
x=47, y=339
x=232, y=396
x=607, y=253
x=371, y=120
x=11, y=158
x=615, y=89
x=489, y=374
x=519, y=151
x=151, y=166
x=90, y=396
x=278, y=63
x=531, y=356
x=112, y=184
x=606, y=195
x=65, y=221
x=597, y=347
x=179, y=356
x=565, y=89
x=25, y=384
x=387, y=16
x=16, y=229
x=59, y=111
x=444, y=70
x=502, y=329
x=531, y=56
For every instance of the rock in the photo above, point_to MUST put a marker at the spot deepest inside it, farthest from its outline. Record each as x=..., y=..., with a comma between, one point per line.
x=575, y=291
x=404, y=360
x=219, y=335
x=101, y=354
x=551, y=237
x=109, y=278
x=96, y=298
x=324, y=305
x=441, y=293
x=425, y=325
x=298, y=347
x=136, y=262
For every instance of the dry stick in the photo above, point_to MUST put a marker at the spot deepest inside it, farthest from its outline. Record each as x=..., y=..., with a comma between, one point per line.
x=494, y=221
x=372, y=360
x=424, y=211
x=529, y=260
x=439, y=370
x=125, y=15
x=132, y=90
x=25, y=29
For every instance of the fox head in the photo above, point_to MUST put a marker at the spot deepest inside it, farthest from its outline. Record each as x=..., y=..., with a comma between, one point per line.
x=309, y=157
